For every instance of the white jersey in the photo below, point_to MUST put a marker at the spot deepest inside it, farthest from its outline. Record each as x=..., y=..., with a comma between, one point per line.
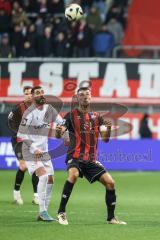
x=36, y=125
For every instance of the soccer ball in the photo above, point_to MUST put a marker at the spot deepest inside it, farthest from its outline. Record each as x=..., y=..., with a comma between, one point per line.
x=74, y=12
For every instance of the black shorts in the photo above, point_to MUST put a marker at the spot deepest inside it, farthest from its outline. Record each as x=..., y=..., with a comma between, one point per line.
x=17, y=148
x=92, y=171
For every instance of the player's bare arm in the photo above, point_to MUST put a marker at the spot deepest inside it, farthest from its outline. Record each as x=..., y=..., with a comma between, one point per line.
x=106, y=133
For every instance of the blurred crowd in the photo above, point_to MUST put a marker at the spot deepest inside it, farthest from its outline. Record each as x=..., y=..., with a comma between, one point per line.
x=38, y=28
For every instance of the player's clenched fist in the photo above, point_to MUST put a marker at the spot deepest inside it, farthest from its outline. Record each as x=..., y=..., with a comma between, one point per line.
x=38, y=153
x=59, y=131
x=108, y=123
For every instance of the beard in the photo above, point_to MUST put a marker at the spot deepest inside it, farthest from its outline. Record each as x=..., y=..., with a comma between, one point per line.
x=40, y=101
x=85, y=105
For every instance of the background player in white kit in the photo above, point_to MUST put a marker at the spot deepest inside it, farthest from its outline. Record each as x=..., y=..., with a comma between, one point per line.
x=36, y=124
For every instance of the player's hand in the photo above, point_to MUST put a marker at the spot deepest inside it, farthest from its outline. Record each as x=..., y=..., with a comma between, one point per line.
x=59, y=131
x=108, y=123
x=38, y=153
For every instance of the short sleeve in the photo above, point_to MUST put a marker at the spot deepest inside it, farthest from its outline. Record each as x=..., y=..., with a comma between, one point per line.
x=14, y=119
x=24, y=125
x=51, y=114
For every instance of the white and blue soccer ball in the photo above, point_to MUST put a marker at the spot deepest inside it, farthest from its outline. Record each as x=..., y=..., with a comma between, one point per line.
x=74, y=12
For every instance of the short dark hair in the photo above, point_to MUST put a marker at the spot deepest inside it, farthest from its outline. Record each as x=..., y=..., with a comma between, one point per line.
x=83, y=89
x=26, y=88
x=35, y=88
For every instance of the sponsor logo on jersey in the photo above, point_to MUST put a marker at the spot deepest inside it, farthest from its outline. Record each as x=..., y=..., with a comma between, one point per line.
x=44, y=125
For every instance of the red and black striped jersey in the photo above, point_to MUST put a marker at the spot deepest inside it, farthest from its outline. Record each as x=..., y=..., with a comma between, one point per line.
x=15, y=117
x=83, y=133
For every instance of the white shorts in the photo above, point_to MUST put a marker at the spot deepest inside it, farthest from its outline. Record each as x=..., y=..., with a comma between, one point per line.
x=33, y=164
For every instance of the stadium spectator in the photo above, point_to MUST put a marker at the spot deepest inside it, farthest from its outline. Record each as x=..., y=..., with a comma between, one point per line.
x=83, y=39
x=6, y=51
x=101, y=6
x=39, y=23
x=32, y=36
x=59, y=25
x=60, y=49
x=18, y=14
x=144, y=129
x=17, y=39
x=71, y=36
x=103, y=42
x=56, y=6
x=93, y=19
x=6, y=6
x=5, y=21
x=116, y=29
x=116, y=11
x=46, y=43
x=27, y=50
x=30, y=6
x=42, y=6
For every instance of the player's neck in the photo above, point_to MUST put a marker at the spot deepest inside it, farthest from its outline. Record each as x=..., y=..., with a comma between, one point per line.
x=28, y=104
x=40, y=107
x=84, y=109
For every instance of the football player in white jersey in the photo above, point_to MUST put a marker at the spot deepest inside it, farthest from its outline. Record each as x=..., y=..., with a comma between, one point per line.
x=34, y=129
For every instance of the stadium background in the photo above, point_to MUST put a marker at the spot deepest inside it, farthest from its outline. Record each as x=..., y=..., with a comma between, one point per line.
x=116, y=49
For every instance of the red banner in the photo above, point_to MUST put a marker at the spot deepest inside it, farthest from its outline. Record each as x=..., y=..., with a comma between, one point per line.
x=143, y=24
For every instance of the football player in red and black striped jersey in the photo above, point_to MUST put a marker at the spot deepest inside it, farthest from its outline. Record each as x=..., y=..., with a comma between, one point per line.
x=84, y=127
x=14, y=120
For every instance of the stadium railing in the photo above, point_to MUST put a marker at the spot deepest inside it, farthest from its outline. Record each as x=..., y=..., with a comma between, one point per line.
x=121, y=50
